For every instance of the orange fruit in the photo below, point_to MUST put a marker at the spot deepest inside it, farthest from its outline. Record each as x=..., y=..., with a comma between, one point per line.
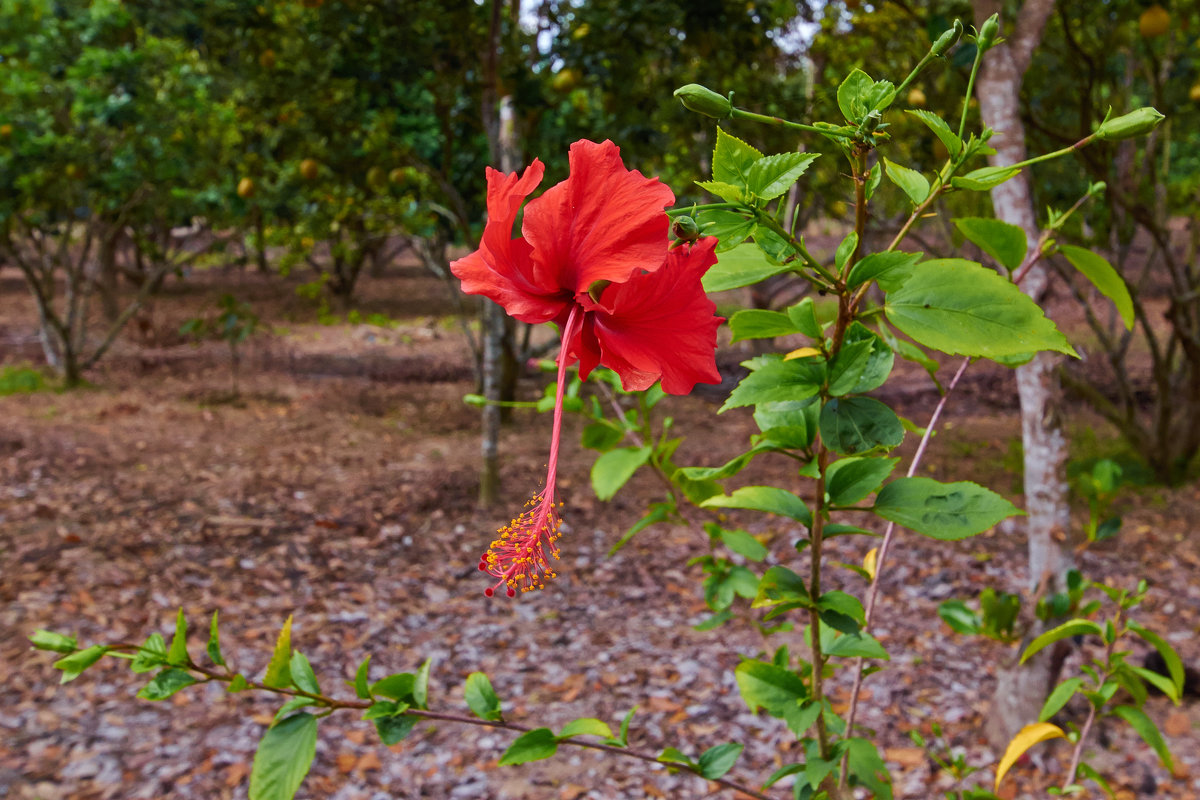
x=266, y=59
x=309, y=169
x=1154, y=21
x=5, y=131
x=246, y=188
x=1193, y=94
x=916, y=97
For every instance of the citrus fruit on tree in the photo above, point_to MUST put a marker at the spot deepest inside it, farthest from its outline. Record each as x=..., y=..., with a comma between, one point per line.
x=309, y=169
x=246, y=188
x=6, y=131
x=1194, y=92
x=566, y=80
x=1154, y=21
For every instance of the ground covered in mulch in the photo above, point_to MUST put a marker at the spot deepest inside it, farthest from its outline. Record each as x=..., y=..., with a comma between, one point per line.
x=345, y=497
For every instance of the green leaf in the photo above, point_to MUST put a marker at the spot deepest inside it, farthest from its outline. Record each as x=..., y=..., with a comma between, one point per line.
x=1169, y=656
x=659, y=512
x=741, y=266
x=1075, y=627
x=151, y=655
x=718, y=760
x=778, y=380
x=278, y=673
x=290, y=707
x=848, y=366
x=585, y=726
x=864, y=763
x=481, y=698
x=879, y=362
x=946, y=511
x=284, y=757
x=670, y=755
x=787, y=424
x=535, y=745
x=614, y=468
x=857, y=645
x=601, y=436
x=1058, y=698
x=911, y=182
x=1149, y=732
x=733, y=160
x=890, y=269
x=238, y=683
x=769, y=686
x=954, y=145
x=1102, y=275
x=393, y=730
x=420, y=692
x=781, y=585
x=758, y=324
x=764, y=498
x=214, y=643
x=860, y=94
x=623, y=736
x=845, y=250
x=960, y=307
x=166, y=683
x=858, y=425
x=983, y=179
x=303, y=677
x=804, y=316
x=731, y=228
x=72, y=666
x=729, y=468
x=849, y=480
x=384, y=708
x=1158, y=680
x=398, y=686
x=771, y=176
x=960, y=618
x=743, y=544
x=726, y=191
x=1001, y=240
x=177, y=655
x=54, y=642
x=362, y=688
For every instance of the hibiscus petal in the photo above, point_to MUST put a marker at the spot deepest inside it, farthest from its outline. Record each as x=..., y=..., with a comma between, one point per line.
x=661, y=325
x=501, y=268
x=604, y=222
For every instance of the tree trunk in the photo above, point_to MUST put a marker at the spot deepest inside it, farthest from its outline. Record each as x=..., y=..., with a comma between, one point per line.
x=1021, y=690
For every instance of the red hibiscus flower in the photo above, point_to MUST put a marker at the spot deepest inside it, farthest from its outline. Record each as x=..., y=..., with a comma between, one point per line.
x=594, y=258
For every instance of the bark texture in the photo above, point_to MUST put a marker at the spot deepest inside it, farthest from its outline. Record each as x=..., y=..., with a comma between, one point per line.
x=1021, y=690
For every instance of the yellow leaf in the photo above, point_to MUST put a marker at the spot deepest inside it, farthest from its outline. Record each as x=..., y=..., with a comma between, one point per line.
x=869, y=561
x=279, y=673
x=1025, y=739
x=803, y=352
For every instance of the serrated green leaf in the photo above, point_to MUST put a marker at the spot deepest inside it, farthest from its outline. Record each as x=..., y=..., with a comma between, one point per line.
x=946, y=511
x=72, y=666
x=585, y=726
x=238, y=683
x=393, y=730
x=278, y=673
x=759, y=324
x=771, y=176
x=780, y=585
x=804, y=316
x=1102, y=275
x=1002, y=241
x=213, y=648
x=863, y=761
x=849, y=480
x=535, y=745
x=283, y=758
x=787, y=424
x=166, y=683
x=398, y=686
x=733, y=159
x=778, y=380
x=1149, y=732
x=362, y=688
x=54, y=642
x=303, y=677
x=151, y=655
x=731, y=229
x=613, y=469
x=853, y=425
x=177, y=655
x=1075, y=627
x=481, y=698
x=741, y=266
x=776, y=689
x=718, y=760
x=960, y=307
x=726, y=191
x=770, y=499
x=911, y=182
x=1059, y=697
x=949, y=138
x=889, y=269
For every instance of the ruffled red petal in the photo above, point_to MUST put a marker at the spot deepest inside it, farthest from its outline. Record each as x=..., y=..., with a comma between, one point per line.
x=604, y=222
x=658, y=325
x=501, y=269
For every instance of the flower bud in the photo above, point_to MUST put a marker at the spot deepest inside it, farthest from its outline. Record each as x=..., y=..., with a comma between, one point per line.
x=685, y=229
x=947, y=39
x=1127, y=126
x=704, y=101
x=988, y=32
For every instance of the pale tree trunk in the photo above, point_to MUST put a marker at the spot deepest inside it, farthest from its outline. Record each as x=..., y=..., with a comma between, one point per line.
x=1021, y=690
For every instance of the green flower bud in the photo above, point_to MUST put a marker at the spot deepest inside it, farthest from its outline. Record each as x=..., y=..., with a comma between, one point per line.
x=947, y=39
x=704, y=101
x=1127, y=126
x=685, y=229
x=988, y=32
